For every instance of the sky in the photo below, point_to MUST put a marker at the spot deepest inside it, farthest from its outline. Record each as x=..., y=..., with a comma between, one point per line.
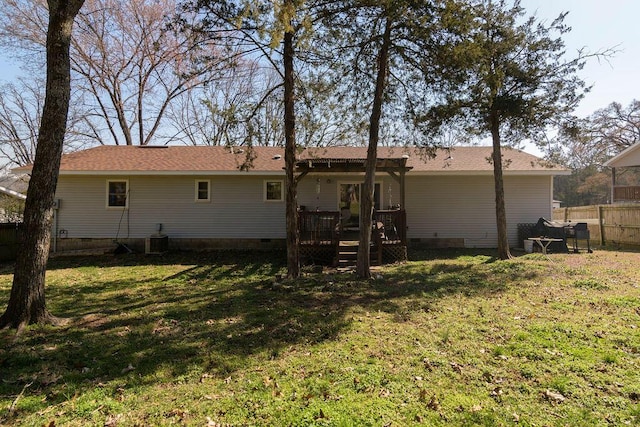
x=597, y=25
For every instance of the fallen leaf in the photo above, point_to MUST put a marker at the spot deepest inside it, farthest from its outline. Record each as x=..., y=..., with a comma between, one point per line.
x=427, y=365
x=180, y=413
x=554, y=396
x=496, y=392
x=112, y=420
x=433, y=403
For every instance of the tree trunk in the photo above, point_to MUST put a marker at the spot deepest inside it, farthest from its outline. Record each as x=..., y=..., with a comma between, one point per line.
x=501, y=213
x=27, y=299
x=293, y=239
x=368, y=187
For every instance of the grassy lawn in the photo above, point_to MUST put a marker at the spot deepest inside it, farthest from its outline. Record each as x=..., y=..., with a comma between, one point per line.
x=450, y=338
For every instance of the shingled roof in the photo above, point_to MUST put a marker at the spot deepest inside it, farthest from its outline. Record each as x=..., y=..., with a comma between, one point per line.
x=189, y=160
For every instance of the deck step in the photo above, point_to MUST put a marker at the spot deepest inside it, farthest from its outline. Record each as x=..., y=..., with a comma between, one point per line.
x=348, y=254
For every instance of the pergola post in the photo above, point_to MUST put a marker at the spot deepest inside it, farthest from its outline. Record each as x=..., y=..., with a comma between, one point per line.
x=403, y=173
x=613, y=185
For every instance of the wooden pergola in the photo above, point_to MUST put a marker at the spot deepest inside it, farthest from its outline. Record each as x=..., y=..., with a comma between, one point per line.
x=395, y=167
x=320, y=230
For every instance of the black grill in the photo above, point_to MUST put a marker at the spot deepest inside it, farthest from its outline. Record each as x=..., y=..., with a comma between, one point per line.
x=567, y=231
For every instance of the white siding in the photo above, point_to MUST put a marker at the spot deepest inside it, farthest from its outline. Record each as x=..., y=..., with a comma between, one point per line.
x=237, y=208
x=437, y=206
x=464, y=207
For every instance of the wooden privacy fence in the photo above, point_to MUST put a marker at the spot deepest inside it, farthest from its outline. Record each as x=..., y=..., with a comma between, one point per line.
x=9, y=234
x=608, y=224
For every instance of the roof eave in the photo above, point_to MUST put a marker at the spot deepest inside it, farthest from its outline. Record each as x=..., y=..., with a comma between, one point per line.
x=490, y=173
x=618, y=160
x=13, y=193
x=281, y=172
x=169, y=173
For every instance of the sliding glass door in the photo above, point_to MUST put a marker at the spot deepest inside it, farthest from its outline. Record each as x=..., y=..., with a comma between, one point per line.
x=349, y=203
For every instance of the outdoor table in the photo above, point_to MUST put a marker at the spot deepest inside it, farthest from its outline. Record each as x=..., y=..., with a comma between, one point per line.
x=544, y=242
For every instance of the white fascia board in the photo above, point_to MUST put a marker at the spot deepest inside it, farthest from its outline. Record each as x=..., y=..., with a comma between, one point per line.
x=490, y=173
x=281, y=173
x=13, y=193
x=618, y=160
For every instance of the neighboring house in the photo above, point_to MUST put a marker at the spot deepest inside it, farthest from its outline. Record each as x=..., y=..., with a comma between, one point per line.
x=626, y=159
x=12, y=196
x=223, y=197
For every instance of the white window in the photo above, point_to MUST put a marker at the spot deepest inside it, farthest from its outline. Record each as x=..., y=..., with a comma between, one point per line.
x=273, y=191
x=203, y=191
x=118, y=194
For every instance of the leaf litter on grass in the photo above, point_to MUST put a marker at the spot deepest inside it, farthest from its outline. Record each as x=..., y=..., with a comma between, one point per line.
x=458, y=339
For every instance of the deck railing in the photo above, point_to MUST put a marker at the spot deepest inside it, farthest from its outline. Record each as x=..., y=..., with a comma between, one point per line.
x=628, y=193
x=323, y=227
x=319, y=227
x=394, y=225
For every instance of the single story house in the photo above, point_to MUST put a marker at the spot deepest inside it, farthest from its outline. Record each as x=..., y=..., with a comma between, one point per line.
x=223, y=197
x=628, y=158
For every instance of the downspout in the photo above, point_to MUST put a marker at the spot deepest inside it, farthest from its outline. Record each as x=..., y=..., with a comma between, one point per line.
x=55, y=227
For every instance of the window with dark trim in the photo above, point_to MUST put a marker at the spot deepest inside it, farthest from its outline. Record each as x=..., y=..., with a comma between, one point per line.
x=273, y=191
x=203, y=192
x=117, y=192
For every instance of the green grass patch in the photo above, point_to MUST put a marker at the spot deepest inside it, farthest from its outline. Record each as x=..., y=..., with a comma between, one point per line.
x=448, y=338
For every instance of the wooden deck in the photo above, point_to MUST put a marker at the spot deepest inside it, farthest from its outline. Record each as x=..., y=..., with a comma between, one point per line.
x=626, y=193
x=321, y=233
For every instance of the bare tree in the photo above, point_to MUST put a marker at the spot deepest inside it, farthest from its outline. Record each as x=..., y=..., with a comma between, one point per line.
x=242, y=107
x=20, y=110
x=128, y=63
x=20, y=114
x=599, y=136
x=27, y=298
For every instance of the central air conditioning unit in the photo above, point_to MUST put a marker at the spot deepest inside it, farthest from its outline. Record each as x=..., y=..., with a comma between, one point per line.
x=156, y=244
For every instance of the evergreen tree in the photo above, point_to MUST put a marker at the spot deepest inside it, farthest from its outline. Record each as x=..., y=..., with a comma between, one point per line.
x=504, y=75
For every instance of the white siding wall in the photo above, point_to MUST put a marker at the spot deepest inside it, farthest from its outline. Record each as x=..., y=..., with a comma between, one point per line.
x=437, y=207
x=464, y=206
x=237, y=208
